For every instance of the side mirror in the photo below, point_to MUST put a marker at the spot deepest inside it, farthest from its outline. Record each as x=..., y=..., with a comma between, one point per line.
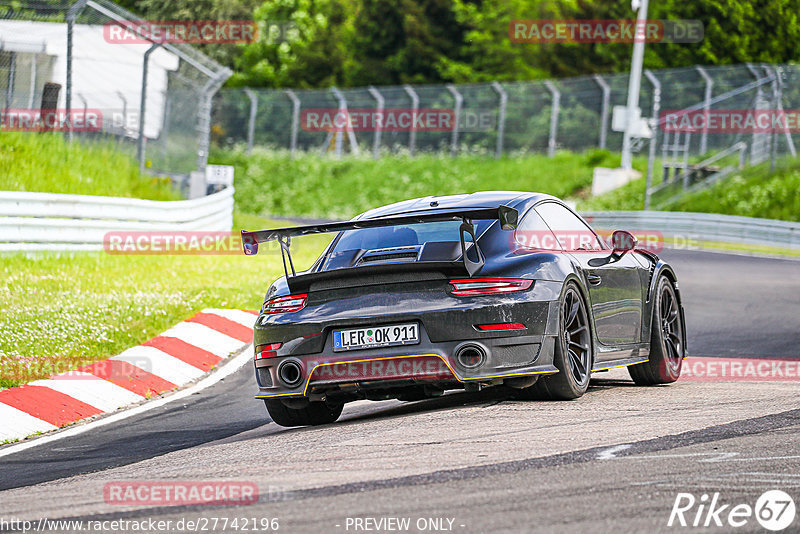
x=623, y=241
x=508, y=217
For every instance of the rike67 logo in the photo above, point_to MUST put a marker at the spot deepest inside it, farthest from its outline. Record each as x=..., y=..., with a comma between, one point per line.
x=774, y=510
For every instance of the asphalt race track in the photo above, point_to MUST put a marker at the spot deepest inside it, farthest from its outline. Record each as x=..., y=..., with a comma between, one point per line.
x=612, y=461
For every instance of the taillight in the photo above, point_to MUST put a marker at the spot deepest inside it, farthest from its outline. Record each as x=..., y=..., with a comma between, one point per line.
x=292, y=303
x=267, y=351
x=501, y=326
x=485, y=286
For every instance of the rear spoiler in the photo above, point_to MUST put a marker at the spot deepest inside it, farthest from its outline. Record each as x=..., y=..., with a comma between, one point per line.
x=507, y=216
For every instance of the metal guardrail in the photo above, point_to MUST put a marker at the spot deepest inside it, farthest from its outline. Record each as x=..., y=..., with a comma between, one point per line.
x=701, y=226
x=49, y=221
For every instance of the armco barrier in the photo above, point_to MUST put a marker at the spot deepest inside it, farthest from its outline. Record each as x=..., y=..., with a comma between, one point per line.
x=48, y=221
x=701, y=226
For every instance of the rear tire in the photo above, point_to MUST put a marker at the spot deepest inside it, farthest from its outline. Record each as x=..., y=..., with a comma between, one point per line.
x=573, y=353
x=315, y=413
x=666, y=340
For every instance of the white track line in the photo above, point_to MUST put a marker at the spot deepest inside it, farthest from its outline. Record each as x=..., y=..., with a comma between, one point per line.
x=16, y=422
x=204, y=337
x=94, y=391
x=226, y=370
x=238, y=316
x=160, y=364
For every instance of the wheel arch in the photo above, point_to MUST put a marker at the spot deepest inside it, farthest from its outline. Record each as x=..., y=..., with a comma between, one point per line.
x=664, y=269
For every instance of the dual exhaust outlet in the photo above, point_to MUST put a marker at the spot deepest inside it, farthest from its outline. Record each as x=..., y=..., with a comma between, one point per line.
x=469, y=355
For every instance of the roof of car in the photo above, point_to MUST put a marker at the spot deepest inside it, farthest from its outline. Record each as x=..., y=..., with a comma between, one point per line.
x=480, y=199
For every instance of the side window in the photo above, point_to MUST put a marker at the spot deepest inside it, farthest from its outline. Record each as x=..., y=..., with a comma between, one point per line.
x=571, y=232
x=533, y=233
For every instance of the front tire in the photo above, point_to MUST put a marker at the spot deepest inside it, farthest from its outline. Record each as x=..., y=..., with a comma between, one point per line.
x=573, y=355
x=666, y=340
x=315, y=413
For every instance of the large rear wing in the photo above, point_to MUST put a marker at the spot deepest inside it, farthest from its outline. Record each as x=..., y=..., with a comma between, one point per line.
x=507, y=216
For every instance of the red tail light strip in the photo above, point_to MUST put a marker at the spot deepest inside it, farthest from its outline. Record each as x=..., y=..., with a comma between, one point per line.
x=292, y=303
x=501, y=326
x=488, y=286
x=267, y=351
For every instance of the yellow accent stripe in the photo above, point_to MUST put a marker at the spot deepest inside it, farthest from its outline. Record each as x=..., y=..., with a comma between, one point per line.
x=618, y=366
x=308, y=379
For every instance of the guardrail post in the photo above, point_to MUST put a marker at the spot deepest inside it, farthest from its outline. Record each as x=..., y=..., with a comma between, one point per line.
x=142, y=108
x=412, y=135
x=603, y=108
x=706, y=108
x=295, y=121
x=654, y=122
x=459, y=100
x=501, y=117
x=251, y=119
x=376, y=140
x=551, y=142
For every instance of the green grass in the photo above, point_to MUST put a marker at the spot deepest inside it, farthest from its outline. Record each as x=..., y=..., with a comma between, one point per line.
x=752, y=192
x=64, y=310
x=271, y=183
x=47, y=163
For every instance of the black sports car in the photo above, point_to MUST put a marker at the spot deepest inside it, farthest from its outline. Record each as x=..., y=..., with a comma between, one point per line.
x=465, y=291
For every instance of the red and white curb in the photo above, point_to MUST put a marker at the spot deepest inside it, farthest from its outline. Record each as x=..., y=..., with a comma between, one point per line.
x=180, y=355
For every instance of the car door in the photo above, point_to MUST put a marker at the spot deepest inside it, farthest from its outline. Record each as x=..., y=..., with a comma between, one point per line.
x=614, y=284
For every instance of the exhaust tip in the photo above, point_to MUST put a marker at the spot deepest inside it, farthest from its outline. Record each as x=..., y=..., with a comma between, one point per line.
x=290, y=373
x=470, y=356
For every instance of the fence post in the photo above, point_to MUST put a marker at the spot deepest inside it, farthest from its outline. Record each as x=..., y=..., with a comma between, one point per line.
x=787, y=133
x=204, y=116
x=773, y=136
x=376, y=140
x=603, y=108
x=459, y=100
x=251, y=119
x=412, y=135
x=72, y=14
x=501, y=117
x=351, y=136
x=551, y=142
x=651, y=156
x=142, y=108
x=755, y=145
x=295, y=120
x=34, y=67
x=12, y=74
x=706, y=108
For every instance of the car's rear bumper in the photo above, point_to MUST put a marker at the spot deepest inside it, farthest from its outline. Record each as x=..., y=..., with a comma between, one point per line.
x=505, y=357
x=446, y=323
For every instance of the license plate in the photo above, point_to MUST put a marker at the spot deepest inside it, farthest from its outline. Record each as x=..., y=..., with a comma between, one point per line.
x=376, y=336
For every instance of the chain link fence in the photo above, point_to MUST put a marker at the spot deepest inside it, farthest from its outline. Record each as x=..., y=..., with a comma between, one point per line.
x=153, y=99
x=533, y=117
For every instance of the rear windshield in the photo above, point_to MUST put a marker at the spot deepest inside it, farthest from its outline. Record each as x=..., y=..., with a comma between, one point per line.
x=403, y=236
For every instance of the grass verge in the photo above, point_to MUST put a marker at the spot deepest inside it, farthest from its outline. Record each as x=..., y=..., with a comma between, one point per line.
x=752, y=192
x=64, y=310
x=47, y=163
x=271, y=183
